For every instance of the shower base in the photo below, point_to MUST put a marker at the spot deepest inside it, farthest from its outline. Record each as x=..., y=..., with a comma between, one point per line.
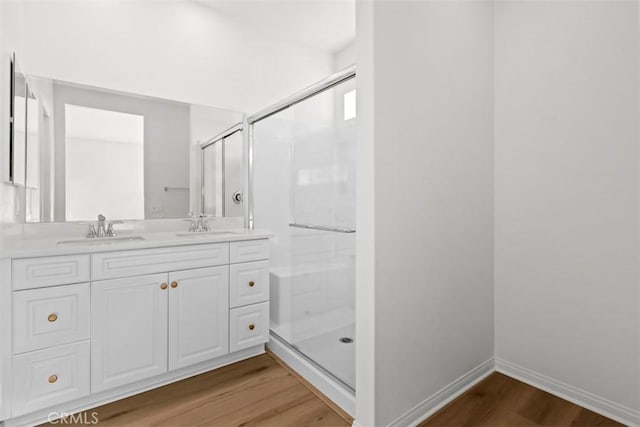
x=336, y=389
x=331, y=352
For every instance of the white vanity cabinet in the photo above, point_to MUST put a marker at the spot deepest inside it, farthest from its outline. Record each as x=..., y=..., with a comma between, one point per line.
x=146, y=325
x=89, y=328
x=249, y=293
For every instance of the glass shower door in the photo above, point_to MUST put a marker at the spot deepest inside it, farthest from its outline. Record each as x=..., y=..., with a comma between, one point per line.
x=304, y=192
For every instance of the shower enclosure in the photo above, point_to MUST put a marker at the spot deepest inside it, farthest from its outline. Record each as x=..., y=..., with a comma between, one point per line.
x=303, y=160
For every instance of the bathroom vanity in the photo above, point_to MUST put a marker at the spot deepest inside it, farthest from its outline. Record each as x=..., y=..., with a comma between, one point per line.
x=86, y=322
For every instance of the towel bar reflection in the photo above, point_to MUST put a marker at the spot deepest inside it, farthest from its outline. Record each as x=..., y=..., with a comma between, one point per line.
x=323, y=228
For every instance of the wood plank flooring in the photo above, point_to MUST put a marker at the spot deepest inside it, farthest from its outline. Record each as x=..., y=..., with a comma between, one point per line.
x=262, y=391
x=254, y=392
x=501, y=401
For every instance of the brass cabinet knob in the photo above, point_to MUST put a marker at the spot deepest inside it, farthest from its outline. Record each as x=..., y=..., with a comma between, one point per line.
x=252, y=327
x=174, y=284
x=53, y=379
x=164, y=286
x=52, y=317
x=252, y=283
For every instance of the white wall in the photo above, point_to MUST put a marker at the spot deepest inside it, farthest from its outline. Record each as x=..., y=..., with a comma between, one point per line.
x=345, y=57
x=365, y=300
x=177, y=50
x=430, y=72
x=567, y=196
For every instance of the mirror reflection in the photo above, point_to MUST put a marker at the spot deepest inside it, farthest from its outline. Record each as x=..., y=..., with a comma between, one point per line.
x=19, y=129
x=222, y=173
x=90, y=151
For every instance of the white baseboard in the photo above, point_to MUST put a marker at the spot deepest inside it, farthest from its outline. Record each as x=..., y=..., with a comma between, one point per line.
x=335, y=391
x=442, y=397
x=568, y=392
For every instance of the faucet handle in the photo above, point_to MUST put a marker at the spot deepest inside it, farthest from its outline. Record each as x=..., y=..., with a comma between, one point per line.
x=110, y=231
x=192, y=225
x=92, y=231
x=201, y=223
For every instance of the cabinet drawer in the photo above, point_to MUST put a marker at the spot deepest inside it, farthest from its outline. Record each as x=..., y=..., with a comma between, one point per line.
x=50, y=316
x=48, y=377
x=249, y=250
x=249, y=283
x=248, y=326
x=50, y=271
x=111, y=265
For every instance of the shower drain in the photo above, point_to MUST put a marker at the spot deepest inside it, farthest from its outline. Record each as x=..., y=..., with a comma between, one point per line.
x=346, y=340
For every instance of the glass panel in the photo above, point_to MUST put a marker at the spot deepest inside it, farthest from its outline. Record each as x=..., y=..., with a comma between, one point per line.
x=222, y=186
x=212, y=179
x=233, y=175
x=304, y=174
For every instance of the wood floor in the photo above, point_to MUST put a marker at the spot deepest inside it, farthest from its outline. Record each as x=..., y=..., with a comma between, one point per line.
x=501, y=401
x=261, y=392
x=254, y=392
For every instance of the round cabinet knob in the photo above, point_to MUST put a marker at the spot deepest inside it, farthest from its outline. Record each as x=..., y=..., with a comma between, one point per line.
x=252, y=327
x=252, y=284
x=164, y=286
x=53, y=379
x=52, y=317
x=174, y=284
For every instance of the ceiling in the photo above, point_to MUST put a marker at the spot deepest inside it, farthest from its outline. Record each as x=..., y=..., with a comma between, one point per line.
x=327, y=25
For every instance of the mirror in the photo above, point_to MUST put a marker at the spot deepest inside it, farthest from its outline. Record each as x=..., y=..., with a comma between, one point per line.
x=88, y=150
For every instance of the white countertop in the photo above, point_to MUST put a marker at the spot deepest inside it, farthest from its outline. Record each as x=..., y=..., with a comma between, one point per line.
x=27, y=248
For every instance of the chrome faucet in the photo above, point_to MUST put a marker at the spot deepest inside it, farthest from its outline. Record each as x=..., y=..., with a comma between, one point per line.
x=198, y=224
x=203, y=224
x=103, y=229
x=102, y=232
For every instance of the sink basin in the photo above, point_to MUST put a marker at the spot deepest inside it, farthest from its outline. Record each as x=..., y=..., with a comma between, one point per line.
x=100, y=241
x=212, y=233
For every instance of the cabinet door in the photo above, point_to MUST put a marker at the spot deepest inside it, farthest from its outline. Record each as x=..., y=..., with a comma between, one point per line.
x=128, y=330
x=198, y=315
